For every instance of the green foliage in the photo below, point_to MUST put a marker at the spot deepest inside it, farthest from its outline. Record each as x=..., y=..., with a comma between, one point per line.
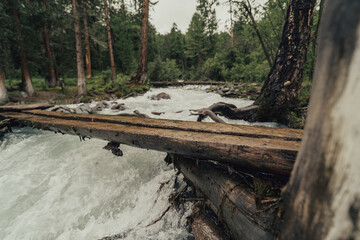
x=163, y=70
x=201, y=53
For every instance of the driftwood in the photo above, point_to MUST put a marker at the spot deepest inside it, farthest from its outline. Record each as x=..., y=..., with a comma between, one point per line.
x=18, y=108
x=157, y=113
x=203, y=113
x=227, y=110
x=136, y=113
x=203, y=227
x=168, y=84
x=232, y=200
x=257, y=148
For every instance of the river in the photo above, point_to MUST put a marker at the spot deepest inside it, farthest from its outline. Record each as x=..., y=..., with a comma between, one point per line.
x=54, y=186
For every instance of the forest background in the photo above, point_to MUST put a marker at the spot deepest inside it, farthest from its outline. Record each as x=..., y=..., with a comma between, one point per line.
x=243, y=53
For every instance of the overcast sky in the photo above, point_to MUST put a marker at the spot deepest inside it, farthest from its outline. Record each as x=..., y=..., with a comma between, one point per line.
x=166, y=12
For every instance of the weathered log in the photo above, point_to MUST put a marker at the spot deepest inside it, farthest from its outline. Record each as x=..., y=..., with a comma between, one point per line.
x=208, y=113
x=229, y=111
x=204, y=228
x=232, y=200
x=268, y=154
x=167, y=84
x=18, y=108
x=223, y=129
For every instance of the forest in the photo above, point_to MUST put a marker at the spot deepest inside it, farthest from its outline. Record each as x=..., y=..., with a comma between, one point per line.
x=40, y=52
x=281, y=83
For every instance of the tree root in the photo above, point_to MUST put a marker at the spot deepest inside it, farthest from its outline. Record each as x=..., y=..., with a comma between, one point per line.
x=227, y=110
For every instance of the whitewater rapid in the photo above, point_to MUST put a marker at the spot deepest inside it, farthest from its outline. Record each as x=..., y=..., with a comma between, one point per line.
x=54, y=186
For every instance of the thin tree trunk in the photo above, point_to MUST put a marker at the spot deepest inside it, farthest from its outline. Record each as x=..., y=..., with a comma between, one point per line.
x=3, y=92
x=53, y=54
x=123, y=7
x=322, y=198
x=111, y=53
x=279, y=95
x=26, y=77
x=314, y=40
x=231, y=24
x=51, y=80
x=79, y=56
x=281, y=8
x=87, y=41
x=141, y=75
x=248, y=10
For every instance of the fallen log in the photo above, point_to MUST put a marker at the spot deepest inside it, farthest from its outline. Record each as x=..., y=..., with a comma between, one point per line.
x=168, y=84
x=19, y=108
x=223, y=129
x=268, y=154
x=229, y=111
x=232, y=200
x=204, y=228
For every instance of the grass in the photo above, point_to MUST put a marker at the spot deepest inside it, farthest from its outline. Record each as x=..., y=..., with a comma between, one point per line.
x=99, y=87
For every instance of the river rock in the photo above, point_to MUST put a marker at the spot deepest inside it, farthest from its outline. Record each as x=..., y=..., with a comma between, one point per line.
x=160, y=96
x=119, y=107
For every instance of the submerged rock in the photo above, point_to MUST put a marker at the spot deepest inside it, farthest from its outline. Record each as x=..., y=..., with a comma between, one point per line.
x=119, y=107
x=160, y=96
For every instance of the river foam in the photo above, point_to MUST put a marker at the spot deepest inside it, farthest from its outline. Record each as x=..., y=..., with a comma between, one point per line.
x=53, y=186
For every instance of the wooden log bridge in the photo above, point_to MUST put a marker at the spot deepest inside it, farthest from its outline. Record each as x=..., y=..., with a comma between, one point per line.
x=265, y=149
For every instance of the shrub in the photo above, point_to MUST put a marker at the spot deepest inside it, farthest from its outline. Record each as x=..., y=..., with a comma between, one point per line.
x=163, y=70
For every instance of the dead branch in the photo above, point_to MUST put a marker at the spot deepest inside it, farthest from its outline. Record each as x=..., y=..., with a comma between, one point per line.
x=227, y=110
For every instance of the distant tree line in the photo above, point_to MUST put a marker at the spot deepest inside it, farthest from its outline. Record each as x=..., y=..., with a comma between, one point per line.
x=37, y=39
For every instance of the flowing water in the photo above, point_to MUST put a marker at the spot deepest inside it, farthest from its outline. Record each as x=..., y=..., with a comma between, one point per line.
x=53, y=186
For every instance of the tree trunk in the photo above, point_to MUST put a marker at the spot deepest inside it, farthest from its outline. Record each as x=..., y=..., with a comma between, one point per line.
x=3, y=91
x=51, y=79
x=248, y=10
x=231, y=24
x=141, y=75
x=79, y=56
x=322, y=199
x=279, y=95
x=314, y=40
x=26, y=77
x=232, y=199
x=87, y=41
x=111, y=53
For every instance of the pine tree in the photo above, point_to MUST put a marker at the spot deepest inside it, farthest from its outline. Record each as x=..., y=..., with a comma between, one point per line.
x=79, y=55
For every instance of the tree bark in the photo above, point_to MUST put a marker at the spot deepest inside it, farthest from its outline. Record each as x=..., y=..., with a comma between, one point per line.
x=141, y=76
x=26, y=77
x=231, y=23
x=232, y=199
x=79, y=55
x=111, y=52
x=279, y=95
x=247, y=147
x=51, y=80
x=87, y=41
x=314, y=40
x=322, y=199
x=248, y=10
x=3, y=92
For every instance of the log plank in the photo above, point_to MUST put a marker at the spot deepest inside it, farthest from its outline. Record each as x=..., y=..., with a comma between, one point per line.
x=264, y=154
x=22, y=107
x=223, y=129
